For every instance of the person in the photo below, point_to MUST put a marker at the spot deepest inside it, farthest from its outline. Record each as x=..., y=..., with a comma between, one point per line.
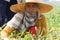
x=28, y=17
x=5, y=13
x=3, y=17
x=9, y=13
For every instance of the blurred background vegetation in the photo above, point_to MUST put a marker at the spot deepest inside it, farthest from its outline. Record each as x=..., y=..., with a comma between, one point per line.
x=53, y=24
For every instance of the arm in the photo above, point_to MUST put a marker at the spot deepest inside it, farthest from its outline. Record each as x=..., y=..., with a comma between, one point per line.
x=41, y=23
x=6, y=31
x=44, y=25
x=13, y=24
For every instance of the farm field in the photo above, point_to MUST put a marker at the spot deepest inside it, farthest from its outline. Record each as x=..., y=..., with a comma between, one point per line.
x=53, y=24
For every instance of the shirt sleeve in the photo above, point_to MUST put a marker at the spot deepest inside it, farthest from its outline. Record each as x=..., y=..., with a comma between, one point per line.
x=15, y=21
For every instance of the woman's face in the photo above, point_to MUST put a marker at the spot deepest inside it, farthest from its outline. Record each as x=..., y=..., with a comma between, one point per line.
x=31, y=8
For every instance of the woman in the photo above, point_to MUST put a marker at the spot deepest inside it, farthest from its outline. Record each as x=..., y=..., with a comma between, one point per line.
x=28, y=17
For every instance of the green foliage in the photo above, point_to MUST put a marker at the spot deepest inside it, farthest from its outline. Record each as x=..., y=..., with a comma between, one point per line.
x=53, y=24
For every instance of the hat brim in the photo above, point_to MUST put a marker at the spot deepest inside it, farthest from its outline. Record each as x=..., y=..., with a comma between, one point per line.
x=20, y=7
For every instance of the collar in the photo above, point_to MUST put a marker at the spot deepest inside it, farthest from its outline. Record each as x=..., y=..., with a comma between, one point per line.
x=31, y=16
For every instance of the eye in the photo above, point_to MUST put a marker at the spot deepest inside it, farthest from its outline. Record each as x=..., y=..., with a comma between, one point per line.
x=28, y=5
x=33, y=5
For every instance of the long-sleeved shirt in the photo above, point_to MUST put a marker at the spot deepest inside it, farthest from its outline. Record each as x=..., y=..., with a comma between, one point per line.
x=22, y=22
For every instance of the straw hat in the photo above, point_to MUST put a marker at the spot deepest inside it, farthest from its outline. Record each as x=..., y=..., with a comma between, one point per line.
x=20, y=7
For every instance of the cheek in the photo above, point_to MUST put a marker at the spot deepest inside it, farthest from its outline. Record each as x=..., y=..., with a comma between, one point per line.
x=27, y=9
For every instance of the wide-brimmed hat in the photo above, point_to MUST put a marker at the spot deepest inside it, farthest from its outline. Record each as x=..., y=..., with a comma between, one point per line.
x=20, y=7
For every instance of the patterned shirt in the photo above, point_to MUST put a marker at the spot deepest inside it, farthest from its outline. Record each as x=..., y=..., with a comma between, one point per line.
x=22, y=22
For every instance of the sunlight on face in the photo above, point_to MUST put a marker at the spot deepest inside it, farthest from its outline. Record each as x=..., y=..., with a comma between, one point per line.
x=31, y=8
